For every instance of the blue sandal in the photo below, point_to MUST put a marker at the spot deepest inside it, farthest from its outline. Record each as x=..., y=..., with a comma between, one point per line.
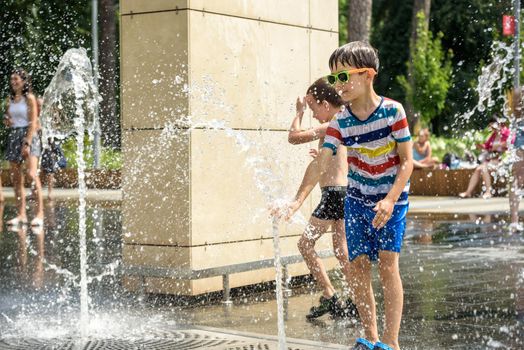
x=382, y=346
x=363, y=344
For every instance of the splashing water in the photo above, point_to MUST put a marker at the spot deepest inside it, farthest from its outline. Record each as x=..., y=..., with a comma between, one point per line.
x=70, y=103
x=267, y=175
x=492, y=80
x=491, y=83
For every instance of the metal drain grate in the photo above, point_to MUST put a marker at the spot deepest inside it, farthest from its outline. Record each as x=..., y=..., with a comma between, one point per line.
x=160, y=340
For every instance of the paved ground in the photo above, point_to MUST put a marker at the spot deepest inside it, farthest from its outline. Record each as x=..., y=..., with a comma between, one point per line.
x=454, y=205
x=418, y=204
x=72, y=193
x=463, y=278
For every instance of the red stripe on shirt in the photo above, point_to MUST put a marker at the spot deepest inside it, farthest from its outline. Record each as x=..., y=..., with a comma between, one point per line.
x=401, y=124
x=374, y=169
x=334, y=133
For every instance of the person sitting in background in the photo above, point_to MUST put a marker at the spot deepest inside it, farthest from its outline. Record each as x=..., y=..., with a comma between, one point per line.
x=493, y=148
x=422, y=151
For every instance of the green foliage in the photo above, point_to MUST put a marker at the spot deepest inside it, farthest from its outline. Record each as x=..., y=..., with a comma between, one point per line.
x=343, y=9
x=109, y=158
x=390, y=34
x=440, y=145
x=34, y=34
x=469, y=28
x=431, y=73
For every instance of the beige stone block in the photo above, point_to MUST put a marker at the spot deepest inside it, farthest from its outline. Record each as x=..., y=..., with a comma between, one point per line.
x=155, y=205
x=171, y=256
x=324, y=14
x=246, y=73
x=291, y=12
x=168, y=286
x=240, y=252
x=322, y=46
x=233, y=186
x=137, y=6
x=158, y=256
x=154, y=69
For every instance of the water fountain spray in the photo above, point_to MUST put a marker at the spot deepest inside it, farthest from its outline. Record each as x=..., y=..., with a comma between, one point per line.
x=70, y=104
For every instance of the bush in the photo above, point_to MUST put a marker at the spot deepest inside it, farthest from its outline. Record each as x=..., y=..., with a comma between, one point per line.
x=442, y=145
x=109, y=158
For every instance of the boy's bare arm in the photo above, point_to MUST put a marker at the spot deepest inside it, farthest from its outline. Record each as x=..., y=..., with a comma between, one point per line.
x=384, y=208
x=303, y=136
x=310, y=180
x=405, y=170
x=296, y=135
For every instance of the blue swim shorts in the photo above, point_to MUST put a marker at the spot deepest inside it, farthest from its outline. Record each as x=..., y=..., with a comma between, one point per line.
x=362, y=238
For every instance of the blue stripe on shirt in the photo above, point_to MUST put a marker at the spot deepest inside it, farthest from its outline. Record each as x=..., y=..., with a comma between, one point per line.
x=368, y=137
x=384, y=180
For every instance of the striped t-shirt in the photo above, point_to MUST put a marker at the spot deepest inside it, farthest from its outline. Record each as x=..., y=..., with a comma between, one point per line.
x=372, y=150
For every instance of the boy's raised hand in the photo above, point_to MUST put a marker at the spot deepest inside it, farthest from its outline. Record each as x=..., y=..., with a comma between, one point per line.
x=383, y=210
x=301, y=105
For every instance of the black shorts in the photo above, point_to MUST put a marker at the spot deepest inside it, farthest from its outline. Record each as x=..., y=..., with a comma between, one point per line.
x=331, y=206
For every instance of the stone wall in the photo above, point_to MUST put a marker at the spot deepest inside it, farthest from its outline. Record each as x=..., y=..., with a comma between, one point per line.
x=194, y=193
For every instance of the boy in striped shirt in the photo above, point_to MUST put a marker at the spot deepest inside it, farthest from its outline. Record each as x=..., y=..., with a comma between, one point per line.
x=375, y=131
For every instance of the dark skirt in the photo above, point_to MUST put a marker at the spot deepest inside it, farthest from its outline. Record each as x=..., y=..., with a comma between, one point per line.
x=15, y=142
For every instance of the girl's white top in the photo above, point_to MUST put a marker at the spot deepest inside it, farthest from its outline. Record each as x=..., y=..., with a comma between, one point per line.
x=19, y=113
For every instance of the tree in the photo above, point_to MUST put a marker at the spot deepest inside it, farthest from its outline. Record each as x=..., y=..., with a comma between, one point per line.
x=390, y=35
x=430, y=71
x=419, y=6
x=343, y=11
x=108, y=69
x=34, y=34
x=470, y=27
x=359, y=20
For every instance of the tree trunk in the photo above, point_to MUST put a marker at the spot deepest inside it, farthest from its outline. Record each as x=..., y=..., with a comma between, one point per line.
x=425, y=7
x=359, y=20
x=109, y=120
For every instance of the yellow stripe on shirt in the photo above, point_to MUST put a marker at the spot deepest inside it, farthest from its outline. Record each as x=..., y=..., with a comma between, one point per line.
x=374, y=152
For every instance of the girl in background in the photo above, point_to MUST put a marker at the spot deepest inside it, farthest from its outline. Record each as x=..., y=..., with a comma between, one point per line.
x=23, y=144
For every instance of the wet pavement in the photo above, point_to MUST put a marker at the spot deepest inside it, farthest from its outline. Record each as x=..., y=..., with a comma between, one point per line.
x=463, y=278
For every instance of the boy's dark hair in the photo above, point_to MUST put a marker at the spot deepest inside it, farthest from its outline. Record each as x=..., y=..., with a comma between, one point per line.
x=358, y=54
x=321, y=90
x=27, y=82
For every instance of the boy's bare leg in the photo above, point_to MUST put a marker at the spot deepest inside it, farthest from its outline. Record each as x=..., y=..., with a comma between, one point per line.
x=364, y=297
x=393, y=296
x=340, y=248
x=306, y=246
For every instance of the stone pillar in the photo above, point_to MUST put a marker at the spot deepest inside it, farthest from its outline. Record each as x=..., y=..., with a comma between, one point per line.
x=190, y=195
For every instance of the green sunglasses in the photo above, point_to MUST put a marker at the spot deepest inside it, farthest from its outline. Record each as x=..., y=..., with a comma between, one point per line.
x=343, y=76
